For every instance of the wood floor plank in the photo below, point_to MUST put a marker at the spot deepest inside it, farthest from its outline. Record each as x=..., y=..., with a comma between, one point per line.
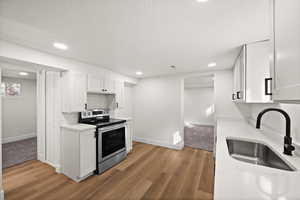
x=206, y=179
x=148, y=173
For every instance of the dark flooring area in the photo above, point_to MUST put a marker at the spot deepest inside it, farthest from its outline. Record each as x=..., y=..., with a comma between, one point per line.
x=199, y=136
x=14, y=153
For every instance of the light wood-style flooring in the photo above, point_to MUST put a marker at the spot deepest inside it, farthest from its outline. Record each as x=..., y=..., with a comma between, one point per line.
x=149, y=172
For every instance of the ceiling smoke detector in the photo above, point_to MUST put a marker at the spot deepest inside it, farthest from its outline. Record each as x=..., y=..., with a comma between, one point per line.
x=173, y=67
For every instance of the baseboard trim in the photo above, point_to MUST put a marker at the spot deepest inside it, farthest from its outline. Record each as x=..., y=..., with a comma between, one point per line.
x=56, y=167
x=157, y=143
x=18, y=138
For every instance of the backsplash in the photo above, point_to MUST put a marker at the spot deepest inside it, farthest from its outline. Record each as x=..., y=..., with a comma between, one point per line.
x=98, y=101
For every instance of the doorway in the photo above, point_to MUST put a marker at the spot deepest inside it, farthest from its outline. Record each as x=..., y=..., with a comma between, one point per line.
x=19, y=117
x=199, y=112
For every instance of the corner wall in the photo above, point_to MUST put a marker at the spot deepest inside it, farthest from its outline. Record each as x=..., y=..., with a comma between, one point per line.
x=224, y=106
x=197, y=102
x=158, y=111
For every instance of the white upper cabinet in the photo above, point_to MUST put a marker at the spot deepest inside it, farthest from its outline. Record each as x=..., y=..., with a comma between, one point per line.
x=109, y=86
x=286, y=69
x=258, y=77
x=94, y=84
x=252, y=83
x=238, y=77
x=74, y=92
x=100, y=84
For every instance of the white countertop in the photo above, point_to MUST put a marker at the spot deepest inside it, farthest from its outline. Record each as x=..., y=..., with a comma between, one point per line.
x=78, y=127
x=237, y=180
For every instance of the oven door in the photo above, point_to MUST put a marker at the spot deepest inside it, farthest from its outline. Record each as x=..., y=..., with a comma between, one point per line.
x=111, y=141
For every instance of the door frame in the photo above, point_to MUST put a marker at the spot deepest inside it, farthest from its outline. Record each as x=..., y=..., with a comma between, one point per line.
x=40, y=70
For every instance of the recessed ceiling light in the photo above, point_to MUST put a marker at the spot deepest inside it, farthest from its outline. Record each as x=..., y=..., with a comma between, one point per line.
x=60, y=46
x=201, y=1
x=23, y=73
x=139, y=73
x=213, y=64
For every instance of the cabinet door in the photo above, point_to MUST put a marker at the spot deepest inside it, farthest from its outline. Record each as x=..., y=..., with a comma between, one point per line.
x=287, y=50
x=258, y=72
x=94, y=84
x=119, y=95
x=242, y=74
x=234, y=82
x=109, y=85
x=87, y=152
x=74, y=88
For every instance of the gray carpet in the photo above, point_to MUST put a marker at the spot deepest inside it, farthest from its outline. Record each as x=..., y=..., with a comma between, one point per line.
x=199, y=136
x=18, y=152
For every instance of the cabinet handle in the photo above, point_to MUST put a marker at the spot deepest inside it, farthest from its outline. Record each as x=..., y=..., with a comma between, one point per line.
x=117, y=104
x=238, y=95
x=85, y=106
x=267, y=86
x=233, y=97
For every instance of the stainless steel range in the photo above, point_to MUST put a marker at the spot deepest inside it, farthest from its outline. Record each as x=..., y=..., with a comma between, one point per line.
x=110, y=137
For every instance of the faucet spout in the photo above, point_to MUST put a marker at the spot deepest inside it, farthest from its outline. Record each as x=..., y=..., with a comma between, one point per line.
x=288, y=147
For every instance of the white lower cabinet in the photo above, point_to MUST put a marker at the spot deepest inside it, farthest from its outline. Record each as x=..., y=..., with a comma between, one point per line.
x=129, y=136
x=78, y=152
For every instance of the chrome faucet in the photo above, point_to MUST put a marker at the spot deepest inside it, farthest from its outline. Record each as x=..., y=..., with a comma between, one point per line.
x=288, y=147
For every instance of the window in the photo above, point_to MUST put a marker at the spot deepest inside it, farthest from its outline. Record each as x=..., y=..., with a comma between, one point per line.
x=10, y=89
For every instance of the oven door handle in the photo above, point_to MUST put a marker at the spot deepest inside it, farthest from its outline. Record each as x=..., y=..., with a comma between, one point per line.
x=110, y=128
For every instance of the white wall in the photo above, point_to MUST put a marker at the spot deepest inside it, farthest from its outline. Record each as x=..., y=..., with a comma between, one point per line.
x=158, y=111
x=159, y=106
x=224, y=107
x=197, y=102
x=19, y=113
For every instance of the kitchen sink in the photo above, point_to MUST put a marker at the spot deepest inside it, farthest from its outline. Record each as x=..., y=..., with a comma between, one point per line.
x=256, y=153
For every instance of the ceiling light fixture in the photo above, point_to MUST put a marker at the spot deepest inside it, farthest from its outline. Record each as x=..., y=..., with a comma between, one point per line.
x=139, y=73
x=60, y=46
x=23, y=73
x=213, y=64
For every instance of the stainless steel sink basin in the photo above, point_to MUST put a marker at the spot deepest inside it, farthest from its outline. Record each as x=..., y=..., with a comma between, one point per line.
x=256, y=153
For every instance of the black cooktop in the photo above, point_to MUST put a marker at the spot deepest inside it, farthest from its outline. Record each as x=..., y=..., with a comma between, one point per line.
x=101, y=124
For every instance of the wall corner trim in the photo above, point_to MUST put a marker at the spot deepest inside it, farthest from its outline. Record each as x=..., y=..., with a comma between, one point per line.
x=18, y=138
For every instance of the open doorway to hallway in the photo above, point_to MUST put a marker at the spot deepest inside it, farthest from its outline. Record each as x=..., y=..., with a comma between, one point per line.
x=19, y=140
x=199, y=112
